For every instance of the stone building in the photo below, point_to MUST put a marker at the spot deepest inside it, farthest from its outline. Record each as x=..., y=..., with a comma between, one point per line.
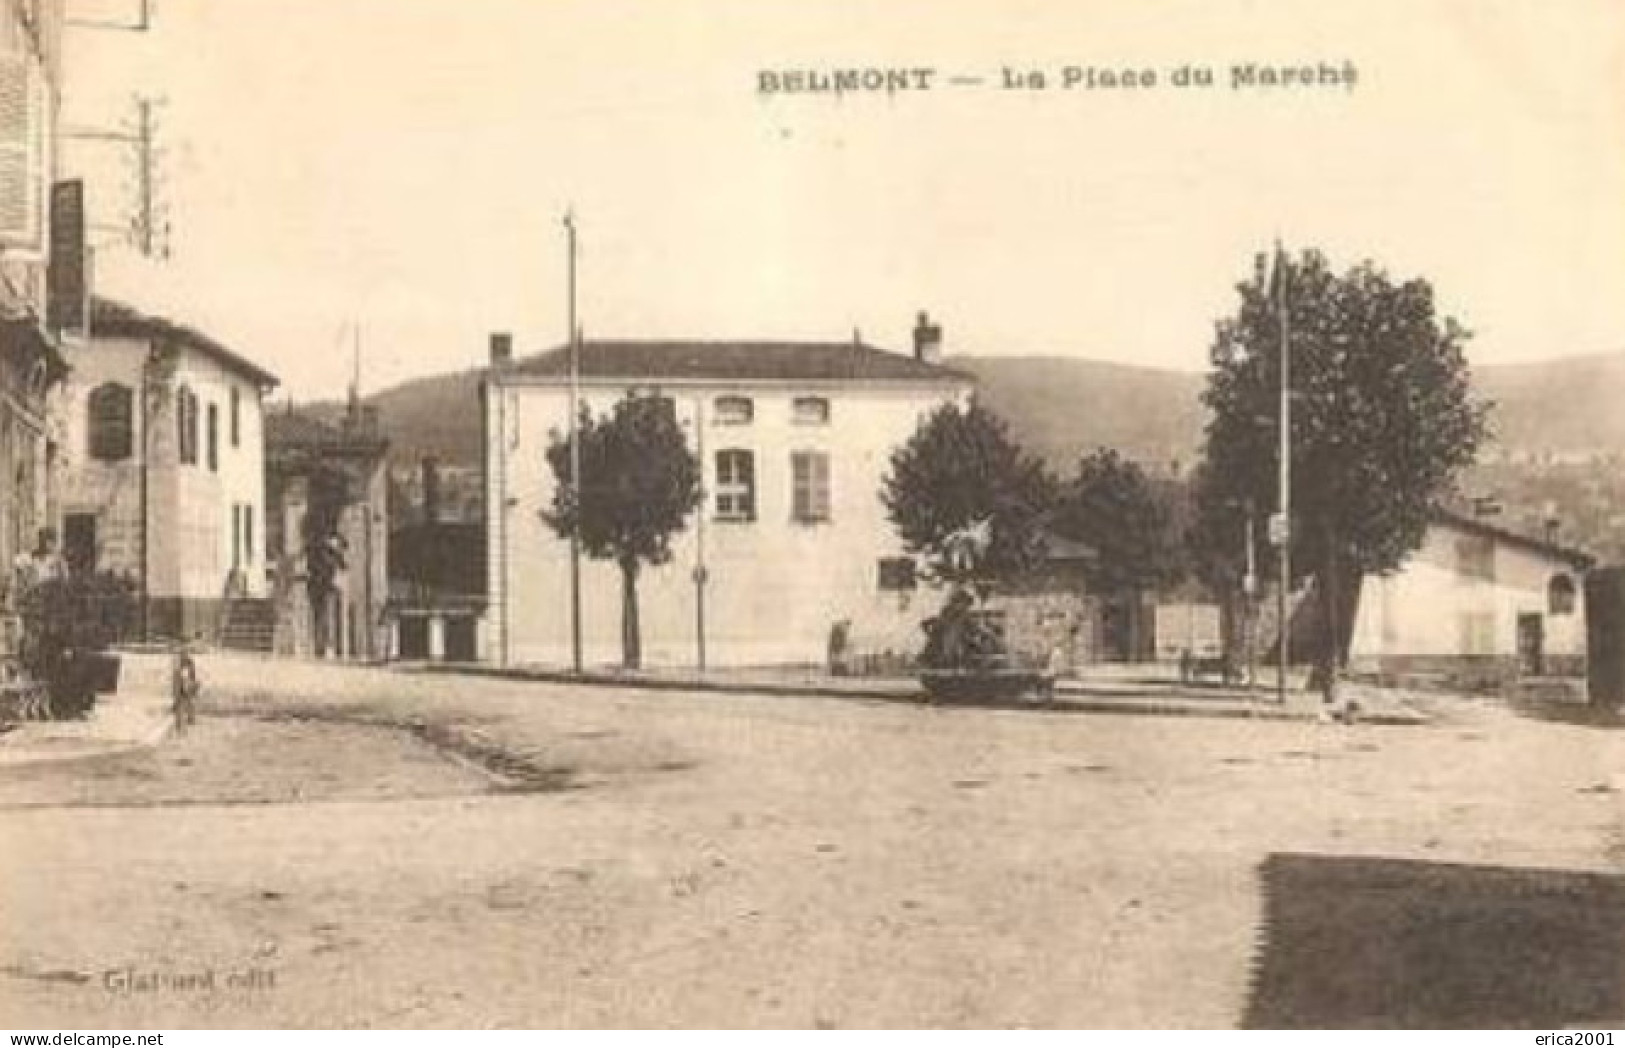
x=31, y=364
x=792, y=538
x=164, y=466
x=328, y=484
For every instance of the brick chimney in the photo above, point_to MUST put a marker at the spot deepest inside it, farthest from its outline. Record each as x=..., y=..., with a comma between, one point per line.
x=501, y=349
x=927, y=340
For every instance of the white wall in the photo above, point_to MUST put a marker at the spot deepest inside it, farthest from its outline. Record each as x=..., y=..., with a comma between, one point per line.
x=1419, y=610
x=775, y=586
x=189, y=506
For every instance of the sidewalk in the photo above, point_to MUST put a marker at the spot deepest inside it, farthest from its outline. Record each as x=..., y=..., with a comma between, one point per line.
x=137, y=717
x=1122, y=690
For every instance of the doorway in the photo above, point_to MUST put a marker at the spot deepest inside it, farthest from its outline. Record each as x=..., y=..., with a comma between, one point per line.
x=1532, y=644
x=79, y=540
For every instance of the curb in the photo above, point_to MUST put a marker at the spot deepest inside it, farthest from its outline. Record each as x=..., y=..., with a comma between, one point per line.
x=163, y=727
x=1063, y=705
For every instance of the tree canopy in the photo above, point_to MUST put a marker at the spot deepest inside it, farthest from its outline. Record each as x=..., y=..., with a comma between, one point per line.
x=1113, y=507
x=962, y=481
x=640, y=482
x=1383, y=421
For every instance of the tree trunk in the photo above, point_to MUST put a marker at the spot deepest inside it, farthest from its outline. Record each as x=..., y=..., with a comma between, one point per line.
x=631, y=635
x=319, y=606
x=1339, y=593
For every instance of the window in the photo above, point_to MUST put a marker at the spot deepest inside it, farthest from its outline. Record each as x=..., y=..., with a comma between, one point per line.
x=897, y=574
x=1475, y=557
x=809, y=501
x=214, y=438
x=734, y=411
x=1560, y=595
x=111, y=408
x=186, y=425
x=810, y=411
x=236, y=416
x=736, y=485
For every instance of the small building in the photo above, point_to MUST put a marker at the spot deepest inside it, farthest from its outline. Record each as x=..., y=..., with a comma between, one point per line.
x=1476, y=601
x=792, y=539
x=328, y=486
x=436, y=571
x=164, y=466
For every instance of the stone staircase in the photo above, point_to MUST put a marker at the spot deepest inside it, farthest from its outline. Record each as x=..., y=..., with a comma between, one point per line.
x=249, y=624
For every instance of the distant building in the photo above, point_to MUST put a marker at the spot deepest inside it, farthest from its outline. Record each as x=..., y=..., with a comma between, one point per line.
x=164, y=466
x=1476, y=599
x=437, y=565
x=792, y=538
x=336, y=471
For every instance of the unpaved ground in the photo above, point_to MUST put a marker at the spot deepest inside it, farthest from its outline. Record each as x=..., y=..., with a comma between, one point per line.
x=340, y=847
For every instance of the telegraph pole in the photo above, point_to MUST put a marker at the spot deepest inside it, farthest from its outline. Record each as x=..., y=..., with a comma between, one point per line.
x=1283, y=530
x=1249, y=591
x=575, y=448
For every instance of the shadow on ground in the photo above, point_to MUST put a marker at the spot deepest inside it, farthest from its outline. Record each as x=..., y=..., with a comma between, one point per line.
x=1358, y=943
x=1567, y=711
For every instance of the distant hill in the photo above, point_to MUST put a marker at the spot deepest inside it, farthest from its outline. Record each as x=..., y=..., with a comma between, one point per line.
x=1568, y=405
x=1062, y=408
x=1559, y=425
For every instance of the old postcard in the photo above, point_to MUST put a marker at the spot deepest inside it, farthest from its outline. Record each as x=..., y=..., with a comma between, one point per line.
x=812, y=515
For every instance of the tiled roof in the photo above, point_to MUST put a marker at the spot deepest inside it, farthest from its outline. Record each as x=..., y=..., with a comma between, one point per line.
x=739, y=361
x=110, y=319
x=1467, y=521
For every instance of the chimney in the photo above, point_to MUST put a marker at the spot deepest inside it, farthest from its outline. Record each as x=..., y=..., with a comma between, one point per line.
x=501, y=349
x=431, y=490
x=927, y=340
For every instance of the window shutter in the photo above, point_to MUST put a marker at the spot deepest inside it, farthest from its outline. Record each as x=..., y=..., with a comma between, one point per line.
x=22, y=145
x=111, y=410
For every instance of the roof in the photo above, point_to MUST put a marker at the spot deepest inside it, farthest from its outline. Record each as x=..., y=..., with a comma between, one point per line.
x=1463, y=521
x=303, y=430
x=111, y=319
x=853, y=361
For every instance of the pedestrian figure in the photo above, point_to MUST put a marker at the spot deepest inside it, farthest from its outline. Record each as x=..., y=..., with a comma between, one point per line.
x=184, y=687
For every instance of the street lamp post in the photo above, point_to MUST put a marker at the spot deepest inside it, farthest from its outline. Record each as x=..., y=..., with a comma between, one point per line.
x=575, y=449
x=1283, y=523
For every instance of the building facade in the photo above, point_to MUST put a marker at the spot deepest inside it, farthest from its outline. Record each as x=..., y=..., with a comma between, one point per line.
x=437, y=565
x=31, y=365
x=328, y=485
x=791, y=539
x=164, y=466
x=1476, y=599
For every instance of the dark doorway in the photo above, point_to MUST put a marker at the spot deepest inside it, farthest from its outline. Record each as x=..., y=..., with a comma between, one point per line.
x=79, y=540
x=460, y=640
x=1532, y=644
x=414, y=638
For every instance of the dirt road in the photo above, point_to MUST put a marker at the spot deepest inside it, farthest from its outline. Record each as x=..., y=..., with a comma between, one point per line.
x=340, y=847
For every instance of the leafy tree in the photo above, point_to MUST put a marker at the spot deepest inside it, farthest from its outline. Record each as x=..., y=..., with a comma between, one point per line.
x=1382, y=423
x=641, y=482
x=1111, y=506
x=961, y=482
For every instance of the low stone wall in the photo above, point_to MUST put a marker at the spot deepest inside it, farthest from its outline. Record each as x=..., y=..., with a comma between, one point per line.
x=1480, y=674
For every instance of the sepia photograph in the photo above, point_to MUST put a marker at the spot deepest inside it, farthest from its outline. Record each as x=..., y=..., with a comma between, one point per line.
x=812, y=516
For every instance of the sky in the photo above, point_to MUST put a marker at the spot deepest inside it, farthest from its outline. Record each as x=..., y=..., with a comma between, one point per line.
x=402, y=167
